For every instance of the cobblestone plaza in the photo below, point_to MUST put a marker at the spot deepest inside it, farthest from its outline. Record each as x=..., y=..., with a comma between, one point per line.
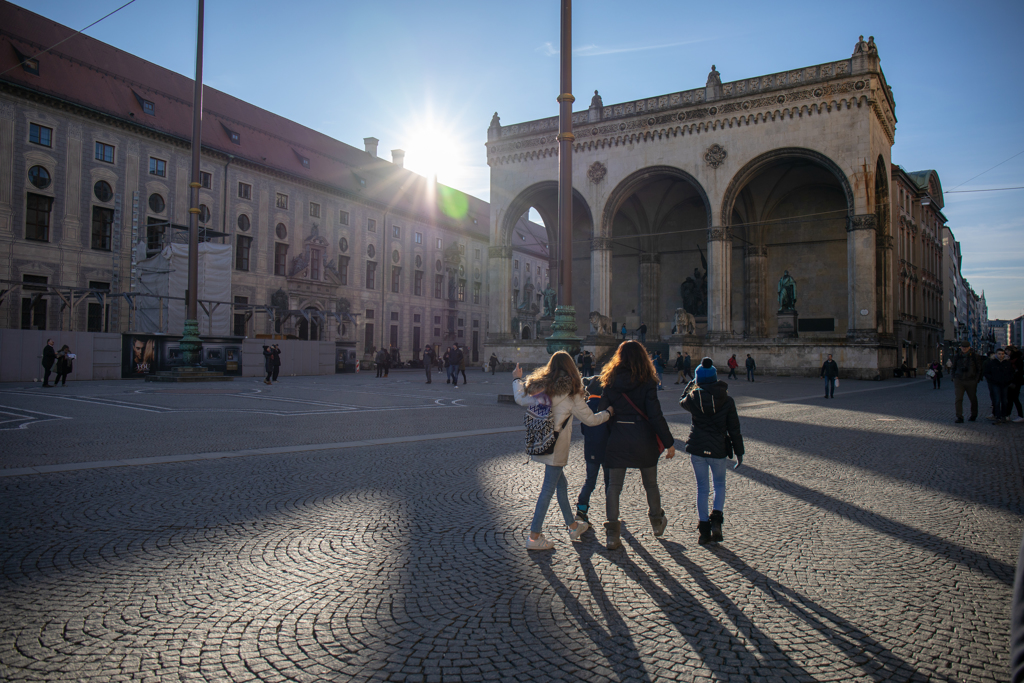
x=349, y=528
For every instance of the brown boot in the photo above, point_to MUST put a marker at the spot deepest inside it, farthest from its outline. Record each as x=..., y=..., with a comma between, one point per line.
x=658, y=523
x=611, y=530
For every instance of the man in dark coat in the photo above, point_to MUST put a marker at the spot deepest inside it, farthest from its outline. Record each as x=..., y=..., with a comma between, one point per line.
x=998, y=374
x=830, y=371
x=49, y=358
x=966, y=373
x=587, y=363
x=493, y=362
x=428, y=361
x=276, y=360
x=642, y=330
x=379, y=359
x=751, y=366
x=455, y=360
x=268, y=362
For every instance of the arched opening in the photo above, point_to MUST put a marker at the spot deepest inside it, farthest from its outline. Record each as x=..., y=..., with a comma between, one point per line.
x=526, y=333
x=787, y=211
x=657, y=220
x=307, y=331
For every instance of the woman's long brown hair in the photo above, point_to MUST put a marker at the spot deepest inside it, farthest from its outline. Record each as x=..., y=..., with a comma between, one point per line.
x=560, y=364
x=631, y=356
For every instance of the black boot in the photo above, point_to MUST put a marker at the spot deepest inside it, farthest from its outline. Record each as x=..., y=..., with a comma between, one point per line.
x=704, y=529
x=611, y=530
x=716, y=526
x=658, y=523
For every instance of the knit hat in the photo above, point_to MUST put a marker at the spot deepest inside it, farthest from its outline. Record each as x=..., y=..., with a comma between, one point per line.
x=706, y=373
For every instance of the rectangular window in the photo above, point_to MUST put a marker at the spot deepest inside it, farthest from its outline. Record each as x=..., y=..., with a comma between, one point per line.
x=282, y=201
x=417, y=285
x=40, y=135
x=314, y=210
x=462, y=323
x=205, y=179
x=396, y=279
x=369, y=314
x=242, y=246
x=104, y=152
x=280, y=258
x=462, y=333
x=415, y=317
x=515, y=264
x=102, y=222
x=98, y=315
x=157, y=167
x=476, y=292
x=418, y=238
x=343, y=269
x=343, y=217
x=368, y=339
x=33, y=313
x=396, y=232
x=371, y=225
x=437, y=320
x=438, y=286
x=462, y=290
x=37, y=217
x=437, y=331
x=438, y=242
x=155, y=228
x=476, y=254
x=394, y=315
x=476, y=323
x=371, y=274
x=314, y=264
x=240, y=316
x=244, y=191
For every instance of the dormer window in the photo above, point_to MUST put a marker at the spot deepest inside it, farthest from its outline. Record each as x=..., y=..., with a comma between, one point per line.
x=147, y=106
x=28, y=65
x=303, y=160
x=232, y=135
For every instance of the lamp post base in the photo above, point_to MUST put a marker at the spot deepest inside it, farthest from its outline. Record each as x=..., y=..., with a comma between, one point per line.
x=564, y=336
x=190, y=344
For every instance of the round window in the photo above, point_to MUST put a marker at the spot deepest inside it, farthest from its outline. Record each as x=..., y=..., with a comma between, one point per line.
x=370, y=251
x=102, y=191
x=438, y=266
x=243, y=222
x=343, y=245
x=204, y=213
x=281, y=231
x=419, y=261
x=395, y=257
x=39, y=176
x=156, y=203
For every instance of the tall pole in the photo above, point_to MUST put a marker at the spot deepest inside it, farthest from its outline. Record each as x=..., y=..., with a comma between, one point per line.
x=565, y=140
x=190, y=343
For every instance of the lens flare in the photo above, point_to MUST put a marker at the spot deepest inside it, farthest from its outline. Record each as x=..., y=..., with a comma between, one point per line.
x=452, y=202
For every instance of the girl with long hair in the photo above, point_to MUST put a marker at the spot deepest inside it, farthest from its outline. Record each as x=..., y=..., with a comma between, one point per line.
x=631, y=390
x=558, y=385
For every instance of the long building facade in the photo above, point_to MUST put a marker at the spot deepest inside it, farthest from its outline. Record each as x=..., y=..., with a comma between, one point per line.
x=324, y=240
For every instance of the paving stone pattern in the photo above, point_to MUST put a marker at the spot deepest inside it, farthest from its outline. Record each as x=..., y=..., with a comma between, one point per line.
x=868, y=538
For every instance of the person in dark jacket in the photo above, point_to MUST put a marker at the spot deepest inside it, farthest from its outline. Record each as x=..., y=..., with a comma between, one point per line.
x=64, y=365
x=631, y=388
x=679, y=367
x=1013, y=394
x=428, y=361
x=493, y=363
x=454, y=361
x=49, y=358
x=587, y=364
x=998, y=374
x=751, y=366
x=830, y=370
x=275, y=361
x=714, y=436
x=268, y=362
x=595, y=442
x=966, y=372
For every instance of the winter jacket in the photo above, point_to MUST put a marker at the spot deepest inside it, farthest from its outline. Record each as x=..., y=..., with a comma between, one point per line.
x=595, y=439
x=750, y=363
x=49, y=356
x=493, y=362
x=679, y=363
x=632, y=440
x=64, y=364
x=830, y=369
x=268, y=360
x=998, y=372
x=732, y=363
x=275, y=358
x=714, y=418
x=462, y=360
x=563, y=408
x=967, y=368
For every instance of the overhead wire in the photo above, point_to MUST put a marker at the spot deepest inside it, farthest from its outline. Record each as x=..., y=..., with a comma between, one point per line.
x=988, y=169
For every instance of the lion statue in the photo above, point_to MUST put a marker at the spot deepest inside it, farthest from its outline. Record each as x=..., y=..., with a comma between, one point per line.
x=685, y=322
x=602, y=324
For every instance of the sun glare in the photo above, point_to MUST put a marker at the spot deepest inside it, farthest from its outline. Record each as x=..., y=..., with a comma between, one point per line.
x=434, y=151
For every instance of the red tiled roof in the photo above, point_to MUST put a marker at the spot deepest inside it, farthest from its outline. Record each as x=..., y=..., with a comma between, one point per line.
x=100, y=77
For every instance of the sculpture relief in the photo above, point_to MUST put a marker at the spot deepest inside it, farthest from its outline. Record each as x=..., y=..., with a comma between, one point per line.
x=597, y=172
x=715, y=155
x=787, y=292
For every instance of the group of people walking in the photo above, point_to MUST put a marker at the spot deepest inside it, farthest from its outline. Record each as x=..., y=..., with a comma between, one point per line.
x=1003, y=372
x=624, y=428
x=271, y=362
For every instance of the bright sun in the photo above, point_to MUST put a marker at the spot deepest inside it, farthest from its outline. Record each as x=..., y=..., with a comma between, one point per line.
x=434, y=151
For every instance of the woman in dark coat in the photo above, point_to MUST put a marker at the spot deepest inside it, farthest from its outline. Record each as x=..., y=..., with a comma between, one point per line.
x=65, y=363
x=631, y=388
x=268, y=362
x=714, y=436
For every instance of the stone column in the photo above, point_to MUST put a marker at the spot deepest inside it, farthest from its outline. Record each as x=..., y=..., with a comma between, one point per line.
x=862, y=322
x=755, y=266
x=883, y=262
x=719, y=281
x=499, y=282
x=650, y=279
x=601, y=275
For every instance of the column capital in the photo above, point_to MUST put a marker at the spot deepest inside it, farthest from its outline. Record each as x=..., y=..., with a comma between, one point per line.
x=650, y=258
x=719, y=233
x=599, y=243
x=864, y=221
x=499, y=252
x=755, y=250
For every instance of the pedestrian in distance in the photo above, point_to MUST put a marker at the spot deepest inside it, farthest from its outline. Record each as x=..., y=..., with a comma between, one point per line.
x=751, y=366
x=642, y=331
x=687, y=367
x=623, y=331
x=428, y=361
x=659, y=367
x=49, y=358
x=935, y=372
x=379, y=362
x=733, y=364
x=830, y=371
x=447, y=365
x=462, y=363
x=998, y=374
x=678, y=365
x=966, y=372
x=714, y=437
x=1013, y=394
x=387, y=362
x=268, y=363
x=559, y=386
x=587, y=364
x=454, y=360
x=595, y=442
x=276, y=361
x=637, y=436
x=493, y=363
x=65, y=364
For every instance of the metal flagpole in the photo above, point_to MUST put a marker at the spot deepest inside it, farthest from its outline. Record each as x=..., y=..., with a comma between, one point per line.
x=190, y=343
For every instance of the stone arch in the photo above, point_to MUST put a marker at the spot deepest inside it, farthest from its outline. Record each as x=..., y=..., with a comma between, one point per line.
x=531, y=197
x=631, y=183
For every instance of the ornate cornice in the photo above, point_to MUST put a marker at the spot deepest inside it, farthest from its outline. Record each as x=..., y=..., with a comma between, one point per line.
x=719, y=233
x=601, y=243
x=865, y=221
x=499, y=252
x=756, y=251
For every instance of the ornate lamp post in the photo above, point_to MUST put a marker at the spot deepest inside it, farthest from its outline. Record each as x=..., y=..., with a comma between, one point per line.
x=564, y=337
x=190, y=344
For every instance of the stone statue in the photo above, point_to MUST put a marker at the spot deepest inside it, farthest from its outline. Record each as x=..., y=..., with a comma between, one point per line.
x=685, y=322
x=872, y=48
x=595, y=101
x=714, y=78
x=496, y=122
x=549, y=302
x=787, y=292
x=602, y=324
x=694, y=292
x=527, y=305
x=861, y=46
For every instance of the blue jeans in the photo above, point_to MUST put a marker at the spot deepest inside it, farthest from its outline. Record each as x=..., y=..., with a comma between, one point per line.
x=453, y=374
x=830, y=387
x=717, y=466
x=997, y=394
x=583, y=502
x=750, y=375
x=554, y=482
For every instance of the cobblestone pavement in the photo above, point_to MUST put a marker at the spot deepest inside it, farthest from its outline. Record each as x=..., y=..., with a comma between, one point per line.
x=867, y=538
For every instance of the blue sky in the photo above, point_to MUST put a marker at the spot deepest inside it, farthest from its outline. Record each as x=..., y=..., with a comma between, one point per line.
x=426, y=77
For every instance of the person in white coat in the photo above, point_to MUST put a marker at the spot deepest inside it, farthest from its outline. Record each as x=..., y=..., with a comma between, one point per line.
x=559, y=385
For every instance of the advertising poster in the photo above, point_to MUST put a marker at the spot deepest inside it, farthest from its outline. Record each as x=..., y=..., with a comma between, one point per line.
x=146, y=354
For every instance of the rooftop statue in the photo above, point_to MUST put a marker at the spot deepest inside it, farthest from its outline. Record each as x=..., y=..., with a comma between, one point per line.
x=496, y=122
x=595, y=101
x=714, y=78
